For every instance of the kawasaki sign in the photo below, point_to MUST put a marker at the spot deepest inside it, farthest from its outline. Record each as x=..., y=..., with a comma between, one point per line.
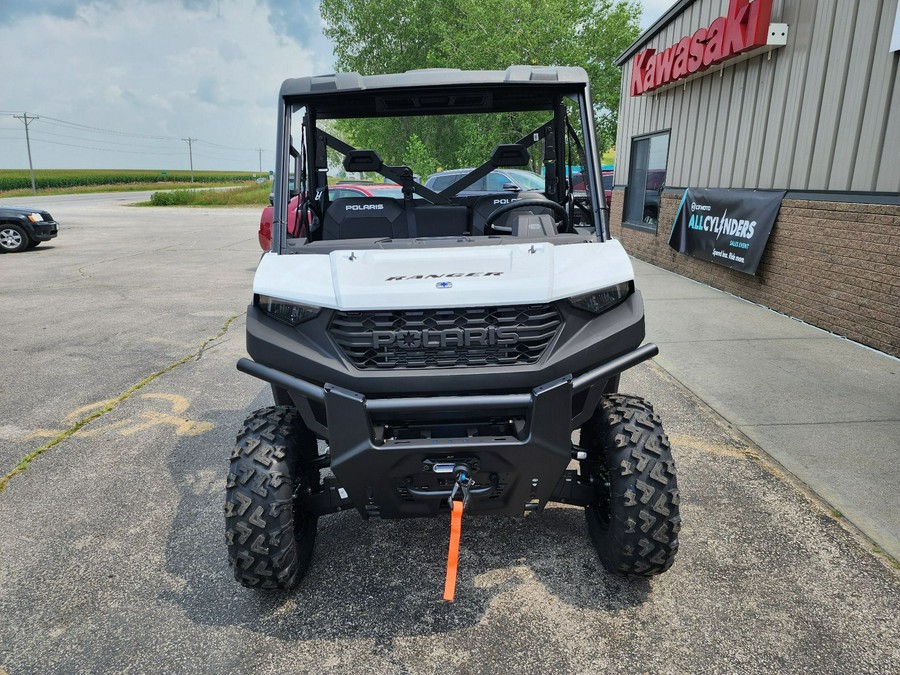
x=744, y=28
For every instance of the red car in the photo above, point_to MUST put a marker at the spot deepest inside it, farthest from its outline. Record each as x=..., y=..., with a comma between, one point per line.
x=607, y=178
x=337, y=191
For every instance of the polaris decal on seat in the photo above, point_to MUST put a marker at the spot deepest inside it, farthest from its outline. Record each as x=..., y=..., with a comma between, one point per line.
x=449, y=337
x=454, y=275
x=364, y=207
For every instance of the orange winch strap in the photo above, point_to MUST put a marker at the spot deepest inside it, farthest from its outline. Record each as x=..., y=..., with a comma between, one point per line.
x=456, y=512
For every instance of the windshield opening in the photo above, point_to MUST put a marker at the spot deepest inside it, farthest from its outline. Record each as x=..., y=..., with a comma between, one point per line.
x=458, y=174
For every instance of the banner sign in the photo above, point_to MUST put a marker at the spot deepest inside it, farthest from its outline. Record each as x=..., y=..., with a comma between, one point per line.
x=727, y=227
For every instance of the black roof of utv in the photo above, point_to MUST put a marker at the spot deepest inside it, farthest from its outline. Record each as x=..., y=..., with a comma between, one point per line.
x=354, y=95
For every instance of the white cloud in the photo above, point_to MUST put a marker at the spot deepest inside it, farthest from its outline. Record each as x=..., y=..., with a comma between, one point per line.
x=208, y=69
x=153, y=67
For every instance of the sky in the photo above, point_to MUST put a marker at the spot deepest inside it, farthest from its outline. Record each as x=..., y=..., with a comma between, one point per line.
x=121, y=83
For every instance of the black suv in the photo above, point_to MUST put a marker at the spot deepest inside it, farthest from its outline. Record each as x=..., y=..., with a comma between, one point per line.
x=22, y=228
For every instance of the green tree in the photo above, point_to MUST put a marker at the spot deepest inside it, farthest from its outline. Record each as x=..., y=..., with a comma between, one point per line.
x=385, y=36
x=418, y=157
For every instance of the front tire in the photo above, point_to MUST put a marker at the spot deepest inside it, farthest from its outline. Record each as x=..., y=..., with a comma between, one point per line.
x=12, y=238
x=269, y=531
x=635, y=520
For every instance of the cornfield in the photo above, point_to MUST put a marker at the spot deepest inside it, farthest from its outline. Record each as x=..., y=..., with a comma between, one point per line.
x=15, y=179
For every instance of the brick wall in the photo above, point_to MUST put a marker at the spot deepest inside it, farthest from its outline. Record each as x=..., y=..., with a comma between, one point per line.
x=835, y=265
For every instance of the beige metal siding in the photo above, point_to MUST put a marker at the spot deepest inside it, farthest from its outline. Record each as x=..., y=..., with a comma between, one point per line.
x=812, y=94
x=853, y=107
x=822, y=113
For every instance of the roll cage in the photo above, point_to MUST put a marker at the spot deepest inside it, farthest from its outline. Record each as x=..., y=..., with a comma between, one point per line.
x=560, y=92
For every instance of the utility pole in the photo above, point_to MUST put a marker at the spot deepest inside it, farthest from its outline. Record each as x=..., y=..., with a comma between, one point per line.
x=27, y=120
x=190, y=142
x=260, y=159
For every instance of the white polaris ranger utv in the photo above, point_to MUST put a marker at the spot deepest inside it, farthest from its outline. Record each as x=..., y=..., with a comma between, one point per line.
x=444, y=347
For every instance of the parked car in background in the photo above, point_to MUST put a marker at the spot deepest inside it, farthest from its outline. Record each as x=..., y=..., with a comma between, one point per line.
x=336, y=191
x=344, y=190
x=499, y=180
x=22, y=228
x=607, y=177
x=656, y=181
x=578, y=185
x=509, y=180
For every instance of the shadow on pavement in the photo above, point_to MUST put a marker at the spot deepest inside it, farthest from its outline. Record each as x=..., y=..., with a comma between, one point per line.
x=379, y=579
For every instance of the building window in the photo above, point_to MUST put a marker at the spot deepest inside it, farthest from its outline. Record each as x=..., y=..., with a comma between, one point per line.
x=646, y=179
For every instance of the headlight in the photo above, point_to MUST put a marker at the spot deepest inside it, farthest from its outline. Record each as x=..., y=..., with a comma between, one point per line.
x=35, y=217
x=290, y=313
x=604, y=299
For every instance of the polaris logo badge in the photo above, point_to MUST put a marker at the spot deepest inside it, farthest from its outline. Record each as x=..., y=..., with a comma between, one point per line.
x=454, y=275
x=429, y=338
x=364, y=207
x=443, y=284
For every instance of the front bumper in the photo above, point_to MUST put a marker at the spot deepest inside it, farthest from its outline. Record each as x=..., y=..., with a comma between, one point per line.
x=383, y=451
x=44, y=230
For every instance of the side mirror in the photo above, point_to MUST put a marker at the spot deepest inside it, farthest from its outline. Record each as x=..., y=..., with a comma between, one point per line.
x=510, y=187
x=271, y=199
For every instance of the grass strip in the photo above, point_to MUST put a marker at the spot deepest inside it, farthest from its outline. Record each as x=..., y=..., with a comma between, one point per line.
x=22, y=466
x=247, y=195
x=111, y=187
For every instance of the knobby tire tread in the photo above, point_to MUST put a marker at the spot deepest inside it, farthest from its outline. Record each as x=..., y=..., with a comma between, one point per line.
x=635, y=523
x=269, y=533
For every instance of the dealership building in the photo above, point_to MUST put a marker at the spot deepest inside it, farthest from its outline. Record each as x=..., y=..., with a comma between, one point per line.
x=758, y=151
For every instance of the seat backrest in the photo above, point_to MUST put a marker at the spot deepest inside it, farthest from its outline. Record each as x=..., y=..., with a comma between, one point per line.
x=364, y=218
x=440, y=220
x=484, y=206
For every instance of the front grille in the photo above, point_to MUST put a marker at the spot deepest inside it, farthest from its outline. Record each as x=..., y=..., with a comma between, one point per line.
x=446, y=338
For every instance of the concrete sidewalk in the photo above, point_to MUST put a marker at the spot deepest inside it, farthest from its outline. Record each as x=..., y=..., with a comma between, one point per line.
x=826, y=408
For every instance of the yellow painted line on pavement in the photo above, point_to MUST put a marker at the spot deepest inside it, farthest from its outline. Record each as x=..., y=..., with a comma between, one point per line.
x=712, y=447
x=22, y=466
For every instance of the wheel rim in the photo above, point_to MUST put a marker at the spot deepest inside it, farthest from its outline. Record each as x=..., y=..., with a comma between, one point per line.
x=10, y=238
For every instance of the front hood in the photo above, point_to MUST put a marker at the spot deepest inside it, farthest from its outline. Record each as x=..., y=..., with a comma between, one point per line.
x=18, y=211
x=443, y=277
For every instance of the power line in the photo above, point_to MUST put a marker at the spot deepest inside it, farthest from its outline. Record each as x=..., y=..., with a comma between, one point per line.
x=225, y=147
x=126, y=148
x=75, y=125
x=111, y=132
x=203, y=152
x=89, y=147
x=94, y=140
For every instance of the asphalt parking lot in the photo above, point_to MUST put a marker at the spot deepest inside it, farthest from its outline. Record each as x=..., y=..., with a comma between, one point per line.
x=112, y=554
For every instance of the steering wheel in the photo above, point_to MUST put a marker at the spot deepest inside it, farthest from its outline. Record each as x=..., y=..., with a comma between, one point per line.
x=558, y=209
